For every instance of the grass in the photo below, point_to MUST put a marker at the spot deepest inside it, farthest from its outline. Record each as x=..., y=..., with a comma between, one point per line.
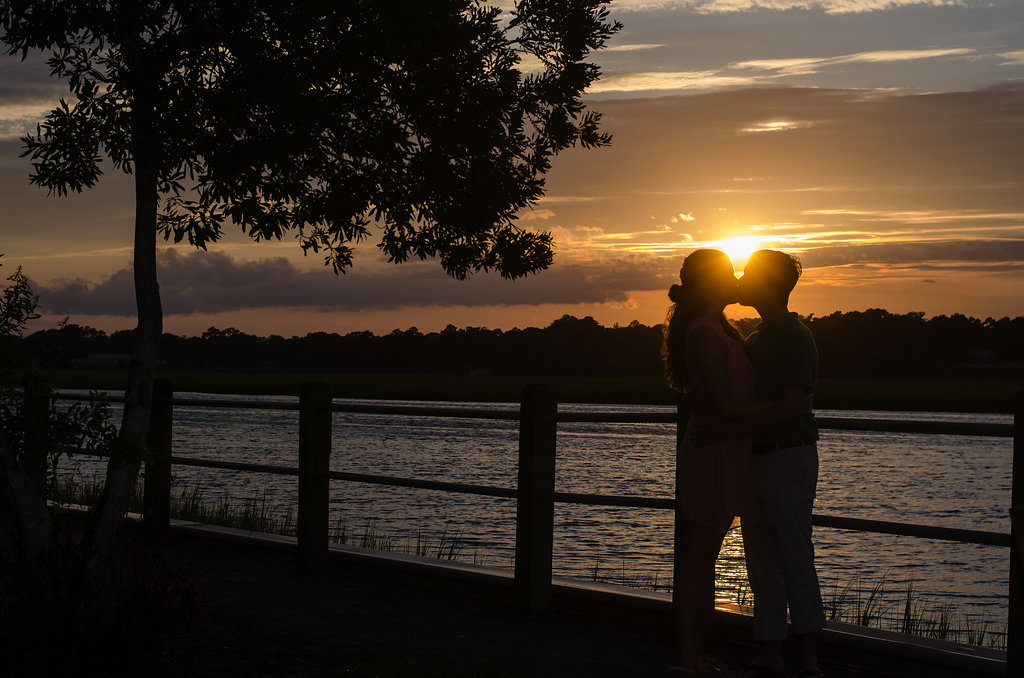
x=629, y=577
x=873, y=606
x=880, y=606
x=254, y=514
x=950, y=395
x=876, y=606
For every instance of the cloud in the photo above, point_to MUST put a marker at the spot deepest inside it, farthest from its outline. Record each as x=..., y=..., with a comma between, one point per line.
x=875, y=177
x=978, y=219
x=896, y=55
x=961, y=254
x=919, y=46
x=754, y=72
x=214, y=282
x=1015, y=58
x=678, y=80
x=19, y=120
x=838, y=142
x=775, y=126
x=788, y=66
x=810, y=65
x=28, y=80
x=535, y=214
x=567, y=198
x=828, y=6
x=880, y=183
x=632, y=48
x=27, y=94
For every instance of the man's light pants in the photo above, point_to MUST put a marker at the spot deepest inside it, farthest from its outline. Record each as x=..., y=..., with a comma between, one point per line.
x=779, y=552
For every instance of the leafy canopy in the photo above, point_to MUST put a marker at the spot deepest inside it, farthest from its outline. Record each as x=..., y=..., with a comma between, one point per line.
x=329, y=120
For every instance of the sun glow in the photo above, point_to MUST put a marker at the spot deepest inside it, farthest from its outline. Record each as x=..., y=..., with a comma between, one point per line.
x=739, y=248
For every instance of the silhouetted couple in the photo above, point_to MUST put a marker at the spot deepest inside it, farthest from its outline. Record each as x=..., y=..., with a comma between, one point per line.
x=749, y=451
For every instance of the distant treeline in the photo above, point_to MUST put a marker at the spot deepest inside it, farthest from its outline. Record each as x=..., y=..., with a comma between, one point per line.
x=872, y=343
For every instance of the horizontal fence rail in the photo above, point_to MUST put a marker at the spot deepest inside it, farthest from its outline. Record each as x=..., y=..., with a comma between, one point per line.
x=665, y=503
x=912, y=530
x=443, y=486
x=882, y=425
x=535, y=493
x=955, y=428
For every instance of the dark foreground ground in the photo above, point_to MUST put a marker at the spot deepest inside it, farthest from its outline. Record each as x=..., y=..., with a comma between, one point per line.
x=259, y=617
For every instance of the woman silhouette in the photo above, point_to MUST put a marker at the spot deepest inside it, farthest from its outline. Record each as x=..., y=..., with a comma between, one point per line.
x=705, y=358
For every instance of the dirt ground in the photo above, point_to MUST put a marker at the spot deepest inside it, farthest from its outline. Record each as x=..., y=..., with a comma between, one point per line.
x=259, y=617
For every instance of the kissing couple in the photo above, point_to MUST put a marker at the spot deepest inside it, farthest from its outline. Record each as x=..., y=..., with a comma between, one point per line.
x=749, y=451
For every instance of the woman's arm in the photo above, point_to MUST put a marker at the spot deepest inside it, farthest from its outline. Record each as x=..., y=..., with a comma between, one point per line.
x=737, y=417
x=712, y=359
x=795, y=401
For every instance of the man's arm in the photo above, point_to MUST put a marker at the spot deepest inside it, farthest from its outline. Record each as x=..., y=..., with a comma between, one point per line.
x=795, y=401
x=798, y=365
x=712, y=356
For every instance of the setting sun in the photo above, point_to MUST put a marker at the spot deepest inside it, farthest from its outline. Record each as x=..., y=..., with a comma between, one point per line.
x=740, y=248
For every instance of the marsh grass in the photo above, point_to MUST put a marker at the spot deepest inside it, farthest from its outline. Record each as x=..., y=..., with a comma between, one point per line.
x=875, y=608
x=252, y=514
x=904, y=610
x=371, y=536
x=876, y=605
x=255, y=515
x=447, y=547
x=629, y=577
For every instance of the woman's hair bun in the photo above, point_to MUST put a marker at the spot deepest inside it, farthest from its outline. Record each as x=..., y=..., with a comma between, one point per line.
x=675, y=293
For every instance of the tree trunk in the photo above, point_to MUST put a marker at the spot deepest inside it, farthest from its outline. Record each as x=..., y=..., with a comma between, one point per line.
x=32, y=532
x=126, y=458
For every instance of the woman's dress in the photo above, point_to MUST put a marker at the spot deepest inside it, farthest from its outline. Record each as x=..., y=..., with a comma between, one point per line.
x=716, y=481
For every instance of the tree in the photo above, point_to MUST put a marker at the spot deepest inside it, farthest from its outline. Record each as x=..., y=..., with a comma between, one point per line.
x=34, y=434
x=19, y=492
x=326, y=120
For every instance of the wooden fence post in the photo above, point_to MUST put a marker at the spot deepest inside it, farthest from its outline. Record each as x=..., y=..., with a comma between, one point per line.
x=1015, y=614
x=36, y=410
x=157, y=486
x=535, y=507
x=314, y=484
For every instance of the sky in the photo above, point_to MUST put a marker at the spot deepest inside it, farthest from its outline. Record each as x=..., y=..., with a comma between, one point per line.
x=880, y=141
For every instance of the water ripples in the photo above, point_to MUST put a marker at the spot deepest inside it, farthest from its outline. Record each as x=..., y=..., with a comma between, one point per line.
x=950, y=481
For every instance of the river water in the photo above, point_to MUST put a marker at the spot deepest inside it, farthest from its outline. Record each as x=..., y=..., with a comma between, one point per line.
x=950, y=481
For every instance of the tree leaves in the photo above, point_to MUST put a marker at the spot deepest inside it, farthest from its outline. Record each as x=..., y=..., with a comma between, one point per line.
x=17, y=305
x=329, y=120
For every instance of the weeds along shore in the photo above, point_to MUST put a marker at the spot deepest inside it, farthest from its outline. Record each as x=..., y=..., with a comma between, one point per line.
x=882, y=604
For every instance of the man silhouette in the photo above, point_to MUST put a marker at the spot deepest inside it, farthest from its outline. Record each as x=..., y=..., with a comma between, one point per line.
x=779, y=551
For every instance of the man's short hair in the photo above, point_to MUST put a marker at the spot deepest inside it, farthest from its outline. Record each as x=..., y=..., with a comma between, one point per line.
x=784, y=270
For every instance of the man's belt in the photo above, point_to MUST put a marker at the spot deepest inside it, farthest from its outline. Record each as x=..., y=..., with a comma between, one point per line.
x=761, y=448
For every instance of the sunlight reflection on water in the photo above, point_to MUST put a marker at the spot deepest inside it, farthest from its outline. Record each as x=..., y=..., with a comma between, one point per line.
x=952, y=481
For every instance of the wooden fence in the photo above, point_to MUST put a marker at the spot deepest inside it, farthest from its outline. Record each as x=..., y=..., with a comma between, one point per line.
x=535, y=494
